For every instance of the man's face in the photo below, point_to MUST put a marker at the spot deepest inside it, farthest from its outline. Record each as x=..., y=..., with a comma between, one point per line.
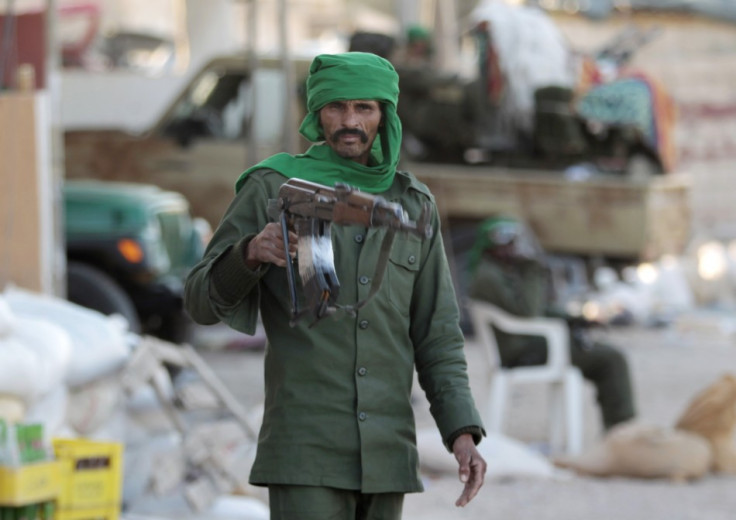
x=351, y=126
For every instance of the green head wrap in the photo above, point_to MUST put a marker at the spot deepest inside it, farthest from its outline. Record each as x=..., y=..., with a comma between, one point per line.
x=492, y=232
x=335, y=77
x=508, y=231
x=418, y=33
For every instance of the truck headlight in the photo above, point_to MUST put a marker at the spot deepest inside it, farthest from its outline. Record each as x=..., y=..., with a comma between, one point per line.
x=155, y=249
x=131, y=250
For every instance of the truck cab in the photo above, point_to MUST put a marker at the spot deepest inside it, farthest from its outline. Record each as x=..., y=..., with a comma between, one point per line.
x=200, y=144
x=129, y=247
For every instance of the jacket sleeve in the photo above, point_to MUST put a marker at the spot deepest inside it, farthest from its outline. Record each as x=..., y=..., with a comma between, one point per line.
x=221, y=287
x=439, y=343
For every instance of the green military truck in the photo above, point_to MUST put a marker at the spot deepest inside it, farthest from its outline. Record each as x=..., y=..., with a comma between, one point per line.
x=129, y=247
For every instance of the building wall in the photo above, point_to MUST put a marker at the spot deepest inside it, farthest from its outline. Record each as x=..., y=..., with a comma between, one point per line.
x=694, y=58
x=134, y=101
x=27, y=197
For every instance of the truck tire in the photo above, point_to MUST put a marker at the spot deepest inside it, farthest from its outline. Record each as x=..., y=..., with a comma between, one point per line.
x=175, y=327
x=89, y=287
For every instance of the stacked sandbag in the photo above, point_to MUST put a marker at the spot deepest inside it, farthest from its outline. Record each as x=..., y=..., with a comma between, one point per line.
x=72, y=386
x=34, y=360
x=101, y=344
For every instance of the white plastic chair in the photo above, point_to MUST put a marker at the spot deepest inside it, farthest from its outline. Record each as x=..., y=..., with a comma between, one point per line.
x=564, y=380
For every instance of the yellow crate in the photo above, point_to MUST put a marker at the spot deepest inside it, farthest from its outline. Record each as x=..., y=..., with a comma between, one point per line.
x=109, y=513
x=92, y=477
x=30, y=483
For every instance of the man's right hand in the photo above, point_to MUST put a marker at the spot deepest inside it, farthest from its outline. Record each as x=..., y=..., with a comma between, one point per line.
x=472, y=467
x=268, y=247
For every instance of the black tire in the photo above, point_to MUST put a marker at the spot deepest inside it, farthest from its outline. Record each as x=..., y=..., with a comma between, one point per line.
x=94, y=289
x=176, y=327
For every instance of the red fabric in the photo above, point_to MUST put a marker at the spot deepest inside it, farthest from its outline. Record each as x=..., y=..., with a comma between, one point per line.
x=28, y=45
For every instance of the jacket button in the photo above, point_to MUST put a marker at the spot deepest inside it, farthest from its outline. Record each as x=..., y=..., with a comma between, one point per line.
x=362, y=416
x=362, y=371
x=364, y=280
x=363, y=324
x=359, y=239
x=412, y=259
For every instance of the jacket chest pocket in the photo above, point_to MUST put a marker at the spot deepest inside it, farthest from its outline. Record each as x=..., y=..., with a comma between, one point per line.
x=401, y=272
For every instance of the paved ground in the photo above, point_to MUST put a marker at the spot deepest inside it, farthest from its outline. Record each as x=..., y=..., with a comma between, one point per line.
x=669, y=366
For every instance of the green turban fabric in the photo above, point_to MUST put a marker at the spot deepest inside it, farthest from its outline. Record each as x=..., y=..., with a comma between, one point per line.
x=340, y=77
x=502, y=230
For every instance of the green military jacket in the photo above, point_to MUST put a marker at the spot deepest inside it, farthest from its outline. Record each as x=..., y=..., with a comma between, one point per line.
x=338, y=395
x=520, y=288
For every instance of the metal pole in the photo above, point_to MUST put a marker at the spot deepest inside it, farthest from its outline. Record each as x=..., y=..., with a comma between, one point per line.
x=53, y=79
x=407, y=13
x=289, y=137
x=252, y=27
x=446, y=35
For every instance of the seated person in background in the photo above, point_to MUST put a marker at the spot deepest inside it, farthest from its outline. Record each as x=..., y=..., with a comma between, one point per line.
x=419, y=48
x=507, y=269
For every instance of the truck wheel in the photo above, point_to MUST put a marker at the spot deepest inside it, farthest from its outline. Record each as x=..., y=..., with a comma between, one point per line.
x=94, y=289
x=176, y=327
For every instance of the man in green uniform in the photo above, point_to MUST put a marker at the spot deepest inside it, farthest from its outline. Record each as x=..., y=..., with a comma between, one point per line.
x=507, y=269
x=338, y=433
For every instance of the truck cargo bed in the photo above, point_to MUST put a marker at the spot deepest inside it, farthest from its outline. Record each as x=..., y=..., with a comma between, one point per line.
x=608, y=216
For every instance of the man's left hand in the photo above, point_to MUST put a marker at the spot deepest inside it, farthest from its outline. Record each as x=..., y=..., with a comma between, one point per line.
x=472, y=469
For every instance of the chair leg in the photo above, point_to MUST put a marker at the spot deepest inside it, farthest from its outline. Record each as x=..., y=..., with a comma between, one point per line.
x=556, y=416
x=574, y=411
x=496, y=407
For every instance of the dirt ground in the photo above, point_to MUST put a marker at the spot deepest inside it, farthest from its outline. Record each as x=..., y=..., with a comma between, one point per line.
x=669, y=366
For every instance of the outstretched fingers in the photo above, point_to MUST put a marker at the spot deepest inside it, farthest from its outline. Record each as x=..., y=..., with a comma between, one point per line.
x=472, y=469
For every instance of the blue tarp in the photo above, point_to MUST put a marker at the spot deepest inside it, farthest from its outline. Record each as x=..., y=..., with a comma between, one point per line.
x=719, y=9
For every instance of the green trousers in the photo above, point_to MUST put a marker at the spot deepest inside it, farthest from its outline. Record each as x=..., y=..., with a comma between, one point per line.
x=607, y=368
x=323, y=503
x=603, y=365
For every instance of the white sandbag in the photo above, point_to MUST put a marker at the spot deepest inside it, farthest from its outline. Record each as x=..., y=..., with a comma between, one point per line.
x=240, y=507
x=151, y=506
x=18, y=369
x=100, y=344
x=509, y=458
x=114, y=429
x=140, y=458
x=93, y=404
x=672, y=293
x=52, y=345
x=142, y=425
x=506, y=457
x=34, y=355
x=144, y=398
x=7, y=319
x=50, y=410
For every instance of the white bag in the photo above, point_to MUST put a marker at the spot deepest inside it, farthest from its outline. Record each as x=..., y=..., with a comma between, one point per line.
x=100, y=344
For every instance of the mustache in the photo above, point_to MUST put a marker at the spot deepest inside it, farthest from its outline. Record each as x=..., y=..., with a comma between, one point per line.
x=351, y=131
